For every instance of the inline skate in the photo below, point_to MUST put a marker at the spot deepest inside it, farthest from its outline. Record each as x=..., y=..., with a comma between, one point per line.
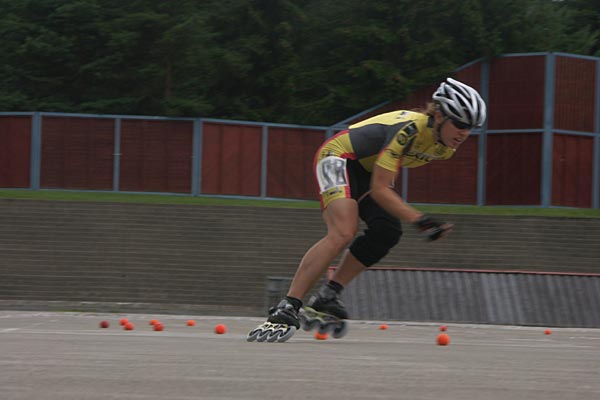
x=281, y=324
x=326, y=313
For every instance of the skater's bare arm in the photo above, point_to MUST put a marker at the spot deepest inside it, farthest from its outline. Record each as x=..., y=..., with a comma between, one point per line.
x=383, y=193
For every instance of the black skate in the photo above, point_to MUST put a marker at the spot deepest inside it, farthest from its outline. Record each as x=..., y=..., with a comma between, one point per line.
x=325, y=312
x=280, y=326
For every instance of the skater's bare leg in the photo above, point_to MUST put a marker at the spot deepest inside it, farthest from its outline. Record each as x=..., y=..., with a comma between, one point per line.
x=341, y=217
x=348, y=269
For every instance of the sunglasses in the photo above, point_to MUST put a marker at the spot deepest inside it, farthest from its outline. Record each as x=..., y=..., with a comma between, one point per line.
x=460, y=125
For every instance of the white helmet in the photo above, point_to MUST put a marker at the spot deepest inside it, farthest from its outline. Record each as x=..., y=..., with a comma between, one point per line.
x=460, y=103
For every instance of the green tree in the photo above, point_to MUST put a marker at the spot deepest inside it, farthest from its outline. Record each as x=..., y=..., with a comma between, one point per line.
x=584, y=26
x=492, y=27
x=257, y=60
x=106, y=56
x=309, y=62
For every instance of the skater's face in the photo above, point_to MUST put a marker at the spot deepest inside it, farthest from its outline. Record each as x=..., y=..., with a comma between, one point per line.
x=452, y=134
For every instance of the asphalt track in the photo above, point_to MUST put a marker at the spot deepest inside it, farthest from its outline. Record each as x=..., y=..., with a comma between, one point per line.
x=63, y=356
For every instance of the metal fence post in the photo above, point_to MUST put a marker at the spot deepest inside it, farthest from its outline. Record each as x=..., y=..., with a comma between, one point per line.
x=36, y=151
x=197, y=157
x=547, y=140
x=482, y=143
x=405, y=184
x=596, y=174
x=117, y=156
x=264, y=160
x=596, y=159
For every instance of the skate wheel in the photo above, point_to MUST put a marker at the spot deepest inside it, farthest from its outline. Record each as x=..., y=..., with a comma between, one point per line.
x=285, y=335
x=340, y=331
x=259, y=332
x=274, y=336
x=337, y=329
x=253, y=334
x=326, y=328
x=323, y=329
x=263, y=335
x=309, y=325
x=268, y=332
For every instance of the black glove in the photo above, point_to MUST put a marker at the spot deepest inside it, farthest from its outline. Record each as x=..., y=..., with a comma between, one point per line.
x=430, y=227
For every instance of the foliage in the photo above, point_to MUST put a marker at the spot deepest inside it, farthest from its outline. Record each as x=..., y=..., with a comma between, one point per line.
x=309, y=62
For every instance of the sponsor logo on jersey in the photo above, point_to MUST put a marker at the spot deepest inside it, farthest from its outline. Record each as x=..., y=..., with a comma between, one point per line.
x=393, y=154
x=402, y=139
x=410, y=129
x=422, y=156
x=406, y=133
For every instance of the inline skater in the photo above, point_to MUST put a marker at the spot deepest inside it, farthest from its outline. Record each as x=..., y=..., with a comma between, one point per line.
x=355, y=170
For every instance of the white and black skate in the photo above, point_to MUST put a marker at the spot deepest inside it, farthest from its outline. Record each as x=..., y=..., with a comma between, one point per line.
x=269, y=332
x=281, y=325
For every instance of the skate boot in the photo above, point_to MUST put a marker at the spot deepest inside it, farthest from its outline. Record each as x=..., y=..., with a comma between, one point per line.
x=281, y=324
x=325, y=312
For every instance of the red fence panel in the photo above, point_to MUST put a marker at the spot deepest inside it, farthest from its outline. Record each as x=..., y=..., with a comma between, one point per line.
x=516, y=93
x=452, y=181
x=470, y=75
x=290, y=163
x=156, y=156
x=574, y=98
x=15, y=151
x=77, y=153
x=514, y=169
x=231, y=159
x=573, y=159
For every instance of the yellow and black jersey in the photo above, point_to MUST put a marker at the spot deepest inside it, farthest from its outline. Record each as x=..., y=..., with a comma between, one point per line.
x=392, y=140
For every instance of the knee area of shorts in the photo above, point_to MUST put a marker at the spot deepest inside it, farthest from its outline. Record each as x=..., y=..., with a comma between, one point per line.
x=375, y=243
x=384, y=232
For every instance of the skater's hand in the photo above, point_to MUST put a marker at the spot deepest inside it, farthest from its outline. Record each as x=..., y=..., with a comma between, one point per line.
x=432, y=228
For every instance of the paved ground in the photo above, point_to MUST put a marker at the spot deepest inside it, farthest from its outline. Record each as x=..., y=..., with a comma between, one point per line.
x=62, y=356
